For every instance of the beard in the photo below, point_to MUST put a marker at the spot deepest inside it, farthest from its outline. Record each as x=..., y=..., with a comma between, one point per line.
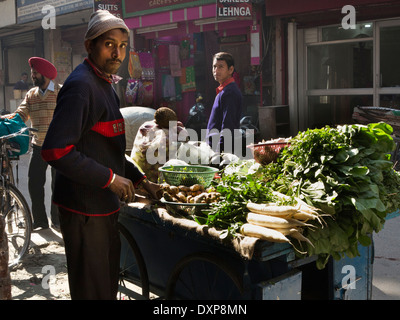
x=111, y=66
x=38, y=81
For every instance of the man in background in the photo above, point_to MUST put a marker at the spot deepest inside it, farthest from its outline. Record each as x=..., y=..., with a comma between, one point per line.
x=226, y=111
x=22, y=84
x=38, y=106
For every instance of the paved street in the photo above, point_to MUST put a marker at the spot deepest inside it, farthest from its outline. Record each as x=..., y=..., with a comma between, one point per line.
x=386, y=265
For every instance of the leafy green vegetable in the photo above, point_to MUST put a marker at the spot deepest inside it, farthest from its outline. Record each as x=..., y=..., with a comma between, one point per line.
x=242, y=181
x=342, y=171
x=345, y=172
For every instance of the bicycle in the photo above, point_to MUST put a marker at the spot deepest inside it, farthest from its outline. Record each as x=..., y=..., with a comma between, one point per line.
x=14, y=208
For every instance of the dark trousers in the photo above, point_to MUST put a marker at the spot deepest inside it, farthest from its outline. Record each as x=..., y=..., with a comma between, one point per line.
x=92, y=248
x=36, y=183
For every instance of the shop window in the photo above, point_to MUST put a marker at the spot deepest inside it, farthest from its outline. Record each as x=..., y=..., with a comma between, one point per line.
x=334, y=110
x=343, y=65
x=333, y=33
x=339, y=66
x=389, y=56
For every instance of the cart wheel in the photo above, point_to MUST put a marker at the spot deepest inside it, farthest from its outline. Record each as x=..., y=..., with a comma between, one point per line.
x=133, y=278
x=204, y=276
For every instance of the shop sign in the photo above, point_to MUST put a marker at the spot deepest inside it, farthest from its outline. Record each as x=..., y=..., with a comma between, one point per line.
x=143, y=7
x=31, y=10
x=114, y=6
x=233, y=9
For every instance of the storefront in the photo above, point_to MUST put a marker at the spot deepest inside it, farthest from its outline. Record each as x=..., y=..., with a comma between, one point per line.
x=334, y=63
x=173, y=43
x=42, y=32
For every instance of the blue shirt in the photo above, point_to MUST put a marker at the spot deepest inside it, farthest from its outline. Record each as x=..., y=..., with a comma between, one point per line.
x=225, y=114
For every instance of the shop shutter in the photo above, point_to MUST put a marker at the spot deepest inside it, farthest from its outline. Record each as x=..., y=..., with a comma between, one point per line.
x=18, y=39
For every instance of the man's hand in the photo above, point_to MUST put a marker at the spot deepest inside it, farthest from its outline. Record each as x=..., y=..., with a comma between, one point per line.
x=123, y=188
x=152, y=188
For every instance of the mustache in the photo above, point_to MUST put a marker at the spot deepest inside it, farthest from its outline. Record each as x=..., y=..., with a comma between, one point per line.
x=114, y=60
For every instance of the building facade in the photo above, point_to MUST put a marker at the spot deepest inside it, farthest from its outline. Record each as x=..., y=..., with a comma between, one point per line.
x=336, y=55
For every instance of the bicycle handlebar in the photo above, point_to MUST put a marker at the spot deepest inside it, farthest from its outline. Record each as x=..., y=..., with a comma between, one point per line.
x=18, y=133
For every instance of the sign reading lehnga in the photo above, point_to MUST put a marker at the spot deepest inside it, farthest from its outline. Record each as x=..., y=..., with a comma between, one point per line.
x=31, y=10
x=234, y=9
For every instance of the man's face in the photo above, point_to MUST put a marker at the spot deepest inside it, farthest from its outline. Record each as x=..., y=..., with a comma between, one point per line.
x=109, y=50
x=37, y=78
x=221, y=71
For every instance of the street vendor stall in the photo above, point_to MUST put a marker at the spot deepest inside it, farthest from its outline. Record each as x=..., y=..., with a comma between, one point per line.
x=228, y=249
x=176, y=258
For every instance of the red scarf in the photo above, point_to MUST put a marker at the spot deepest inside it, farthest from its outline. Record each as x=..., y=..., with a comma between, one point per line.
x=222, y=86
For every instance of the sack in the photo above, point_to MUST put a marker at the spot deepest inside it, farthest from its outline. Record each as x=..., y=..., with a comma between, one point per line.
x=8, y=126
x=195, y=152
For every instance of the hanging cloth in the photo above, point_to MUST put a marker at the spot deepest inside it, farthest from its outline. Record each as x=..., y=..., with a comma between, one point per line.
x=147, y=63
x=184, y=49
x=168, y=85
x=190, y=84
x=131, y=92
x=175, y=61
x=163, y=56
x=134, y=67
x=147, y=93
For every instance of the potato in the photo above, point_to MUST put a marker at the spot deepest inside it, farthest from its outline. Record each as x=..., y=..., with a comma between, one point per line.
x=184, y=189
x=168, y=197
x=197, y=187
x=200, y=198
x=173, y=190
x=181, y=197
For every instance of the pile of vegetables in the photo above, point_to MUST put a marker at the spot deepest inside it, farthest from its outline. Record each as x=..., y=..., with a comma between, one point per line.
x=273, y=222
x=344, y=172
x=193, y=194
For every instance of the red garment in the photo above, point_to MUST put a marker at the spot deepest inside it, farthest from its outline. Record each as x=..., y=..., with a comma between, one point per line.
x=44, y=67
x=222, y=86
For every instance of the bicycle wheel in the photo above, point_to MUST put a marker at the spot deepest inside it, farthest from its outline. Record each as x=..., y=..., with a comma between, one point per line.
x=18, y=223
x=133, y=278
x=203, y=276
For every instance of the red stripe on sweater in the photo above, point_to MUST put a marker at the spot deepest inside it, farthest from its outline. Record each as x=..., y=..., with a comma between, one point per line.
x=110, y=128
x=109, y=180
x=55, y=154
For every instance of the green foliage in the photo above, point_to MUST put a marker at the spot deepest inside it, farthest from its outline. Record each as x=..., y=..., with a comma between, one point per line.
x=345, y=172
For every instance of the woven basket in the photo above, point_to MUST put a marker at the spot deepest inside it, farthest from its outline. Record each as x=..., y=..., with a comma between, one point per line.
x=268, y=152
x=188, y=175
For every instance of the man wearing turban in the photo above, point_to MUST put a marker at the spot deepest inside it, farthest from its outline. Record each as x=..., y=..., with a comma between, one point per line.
x=38, y=106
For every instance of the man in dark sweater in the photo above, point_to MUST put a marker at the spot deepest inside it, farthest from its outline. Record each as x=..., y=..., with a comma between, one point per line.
x=227, y=109
x=86, y=144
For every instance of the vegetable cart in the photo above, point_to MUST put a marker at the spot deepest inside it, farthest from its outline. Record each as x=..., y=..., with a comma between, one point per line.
x=176, y=258
x=345, y=171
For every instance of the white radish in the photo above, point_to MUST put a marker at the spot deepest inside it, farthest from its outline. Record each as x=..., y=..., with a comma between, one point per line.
x=271, y=209
x=274, y=222
x=268, y=234
x=295, y=233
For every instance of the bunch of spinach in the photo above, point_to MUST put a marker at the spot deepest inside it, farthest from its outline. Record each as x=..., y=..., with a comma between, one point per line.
x=343, y=172
x=241, y=182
